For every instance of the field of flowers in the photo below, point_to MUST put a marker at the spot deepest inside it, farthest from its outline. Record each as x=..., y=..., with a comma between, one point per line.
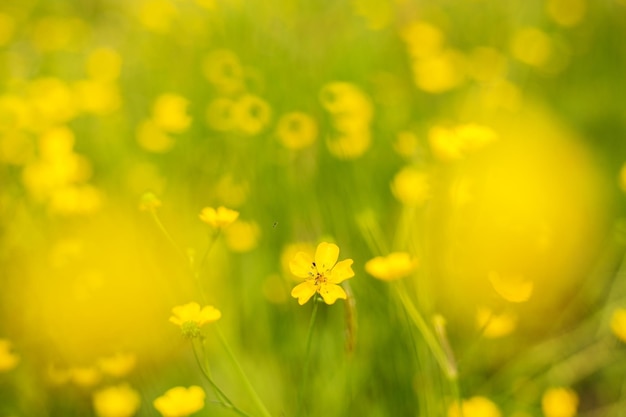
x=312, y=208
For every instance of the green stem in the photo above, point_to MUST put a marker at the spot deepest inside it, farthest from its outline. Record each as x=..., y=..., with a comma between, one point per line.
x=255, y=397
x=436, y=349
x=167, y=235
x=307, y=357
x=222, y=397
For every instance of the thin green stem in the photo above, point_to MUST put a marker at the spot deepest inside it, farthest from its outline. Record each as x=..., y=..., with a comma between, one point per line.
x=222, y=397
x=167, y=234
x=307, y=357
x=253, y=394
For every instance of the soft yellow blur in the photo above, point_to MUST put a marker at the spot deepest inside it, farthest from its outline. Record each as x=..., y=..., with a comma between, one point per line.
x=559, y=402
x=475, y=407
x=116, y=401
x=180, y=401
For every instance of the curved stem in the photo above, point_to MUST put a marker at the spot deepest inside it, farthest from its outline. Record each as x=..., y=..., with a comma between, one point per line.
x=255, y=397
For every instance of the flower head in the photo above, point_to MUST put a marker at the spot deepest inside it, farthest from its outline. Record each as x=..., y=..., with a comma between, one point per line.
x=475, y=407
x=180, y=401
x=393, y=266
x=218, y=218
x=322, y=274
x=190, y=317
x=116, y=401
x=559, y=402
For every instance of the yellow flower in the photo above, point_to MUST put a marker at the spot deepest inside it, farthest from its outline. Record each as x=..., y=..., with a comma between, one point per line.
x=116, y=401
x=118, y=365
x=8, y=360
x=559, y=402
x=475, y=407
x=152, y=138
x=180, y=401
x=618, y=323
x=251, y=114
x=391, y=267
x=296, y=130
x=411, y=187
x=322, y=274
x=223, y=70
x=514, y=289
x=218, y=218
x=190, y=317
x=495, y=325
x=169, y=113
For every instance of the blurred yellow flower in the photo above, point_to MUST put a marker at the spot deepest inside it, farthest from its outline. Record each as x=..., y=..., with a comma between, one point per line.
x=566, y=12
x=190, y=318
x=445, y=143
x=513, y=288
x=97, y=97
x=180, y=401
x=169, y=113
x=223, y=70
x=152, y=138
x=440, y=73
x=116, y=401
x=391, y=267
x=242, y=236
x=618, y=323
x=251, y=114
x=219, y=114
x=322, y=274
x=8, y=359
x=531, y=46
x=85, y=376
x=495, y=325
x=411, y=186
x=218, y=218
x=559, y=402
x=296, y=130
x=475, y=407
x=473, y=136
x=104, y=64
x=349, y=146
x=118, y=365
x=423, y=40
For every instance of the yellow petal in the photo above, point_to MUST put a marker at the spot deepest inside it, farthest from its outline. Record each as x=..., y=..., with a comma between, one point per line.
x=302, y=265
x=208, y=314
x=341, y=271
x=330, y=293
x=303, y=291
x=326, y=256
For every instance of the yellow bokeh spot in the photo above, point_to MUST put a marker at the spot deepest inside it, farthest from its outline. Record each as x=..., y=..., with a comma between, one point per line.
x=349, y=146
x=423, y=40
x=494, y=325
x=97, y=97
x=157, y=15
x=116, y=401
x=513, y=288
x=411, y=186
x=223, y=70
x=440, y=73
x=152, y=138
x=220, y=115
x=566, y=12
x=251, y=114
x=531, y=46
x=391, y=267
x=8, y=359
x=7, y=28
x=559, y=402
x=104, y=64
x=169, y=113
x=618, y=323
x=296, y=130
x=242, y=236
x=474, y=407
x=180, y=401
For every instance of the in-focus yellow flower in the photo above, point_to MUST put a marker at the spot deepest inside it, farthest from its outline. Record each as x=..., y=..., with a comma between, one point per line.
x=475, y=407
x=180, y=401
x=118, y=365
x=391, y=267
x=170, y=113
x=296, y=130
x=559, y=402
x=116, y=401
x=495, y=325
x=514, y=288
x=618, y=323
x=189, y=317
x=322, y=274
x=8, y=359
x=411, y=187
x=218, y=218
